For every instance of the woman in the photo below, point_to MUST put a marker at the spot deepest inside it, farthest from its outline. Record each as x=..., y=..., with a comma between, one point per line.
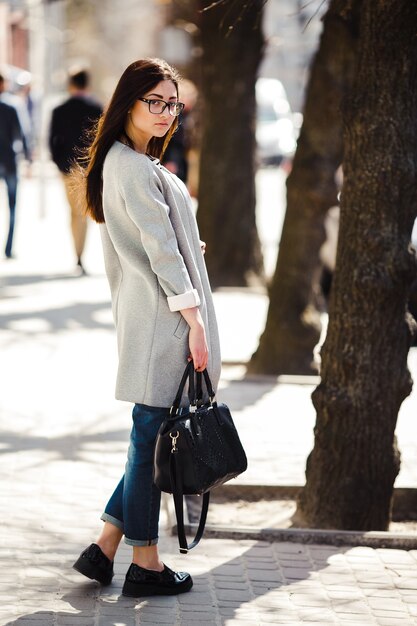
x=162, y=305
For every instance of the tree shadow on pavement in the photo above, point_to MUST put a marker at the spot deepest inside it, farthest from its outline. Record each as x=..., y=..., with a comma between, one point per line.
x=22, y=280
x=241, y=394
x=84, y=314
x=65, y=448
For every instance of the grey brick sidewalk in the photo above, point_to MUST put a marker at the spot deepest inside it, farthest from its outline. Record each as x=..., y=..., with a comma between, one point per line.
x=236, y=583
x=63, y=440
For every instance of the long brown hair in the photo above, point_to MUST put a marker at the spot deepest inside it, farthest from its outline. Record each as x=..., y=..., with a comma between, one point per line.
x=135, y=82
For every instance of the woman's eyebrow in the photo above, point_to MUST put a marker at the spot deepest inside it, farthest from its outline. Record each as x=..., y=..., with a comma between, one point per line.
x=158, y=95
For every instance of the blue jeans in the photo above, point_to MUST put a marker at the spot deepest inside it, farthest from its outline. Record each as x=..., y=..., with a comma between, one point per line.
x=10, y=178
x=135, y=503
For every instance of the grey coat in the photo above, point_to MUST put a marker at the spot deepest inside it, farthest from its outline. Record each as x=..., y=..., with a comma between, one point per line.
x=155, y=267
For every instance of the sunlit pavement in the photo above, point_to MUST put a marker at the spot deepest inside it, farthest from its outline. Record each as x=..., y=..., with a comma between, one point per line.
x=63, y=441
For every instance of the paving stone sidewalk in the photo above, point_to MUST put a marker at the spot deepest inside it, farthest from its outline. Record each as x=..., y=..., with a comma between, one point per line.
x=63, y=441
x=235, y=583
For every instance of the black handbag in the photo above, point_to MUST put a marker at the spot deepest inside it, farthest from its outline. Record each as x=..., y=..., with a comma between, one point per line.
x=196, y=449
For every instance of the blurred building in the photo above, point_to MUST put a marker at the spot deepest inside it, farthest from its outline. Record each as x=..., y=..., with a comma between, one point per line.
x=14, y=35
x=48, y=37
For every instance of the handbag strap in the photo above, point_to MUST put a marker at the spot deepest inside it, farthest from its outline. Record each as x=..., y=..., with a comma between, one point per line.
x=177, y=492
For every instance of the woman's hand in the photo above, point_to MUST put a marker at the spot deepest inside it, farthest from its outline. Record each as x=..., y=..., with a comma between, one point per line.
x=197, y=338
x=198, y=347
x=203, y=246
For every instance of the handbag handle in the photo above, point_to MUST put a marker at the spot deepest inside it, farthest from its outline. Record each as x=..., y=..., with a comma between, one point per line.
x=198, y=396
x=187, y=374
x=195, y=394
x=209, y=386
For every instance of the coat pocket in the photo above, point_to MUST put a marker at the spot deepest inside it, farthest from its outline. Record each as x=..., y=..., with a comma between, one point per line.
x=181, y=327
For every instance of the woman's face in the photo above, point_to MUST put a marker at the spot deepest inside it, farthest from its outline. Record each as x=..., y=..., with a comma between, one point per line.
x=142, y=125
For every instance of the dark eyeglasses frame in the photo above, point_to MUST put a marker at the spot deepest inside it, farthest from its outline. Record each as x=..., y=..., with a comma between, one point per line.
x=179, y=106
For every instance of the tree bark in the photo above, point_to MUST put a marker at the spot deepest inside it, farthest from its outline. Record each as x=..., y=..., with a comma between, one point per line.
x=352, y=468
x=293, y=325
x=226, y=203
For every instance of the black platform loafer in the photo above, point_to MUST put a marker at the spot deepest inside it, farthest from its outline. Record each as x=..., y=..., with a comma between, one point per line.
x=94, y=564
x=146, y=582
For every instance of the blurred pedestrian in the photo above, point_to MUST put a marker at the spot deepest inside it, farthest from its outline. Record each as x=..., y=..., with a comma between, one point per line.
x=327, y=252
x=68, y=136
x=175, y=157
x=29, y=107
x=13, y=99
x=11, y=140
x=162, y=304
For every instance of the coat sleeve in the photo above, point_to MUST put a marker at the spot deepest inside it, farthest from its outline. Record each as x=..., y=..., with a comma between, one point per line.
x=146, y=206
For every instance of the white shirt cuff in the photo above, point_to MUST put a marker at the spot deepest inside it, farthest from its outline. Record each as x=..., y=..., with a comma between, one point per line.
x=186, y=300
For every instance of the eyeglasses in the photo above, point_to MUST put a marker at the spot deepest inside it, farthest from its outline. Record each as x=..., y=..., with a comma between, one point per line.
x=159, y=106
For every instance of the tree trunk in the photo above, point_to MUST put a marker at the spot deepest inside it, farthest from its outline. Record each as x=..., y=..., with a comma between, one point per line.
x=226, y=203
x=293, y=326
x=352, y=468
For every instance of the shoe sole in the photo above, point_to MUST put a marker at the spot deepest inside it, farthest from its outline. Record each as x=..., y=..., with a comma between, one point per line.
x=86, y=568
x=136, y=590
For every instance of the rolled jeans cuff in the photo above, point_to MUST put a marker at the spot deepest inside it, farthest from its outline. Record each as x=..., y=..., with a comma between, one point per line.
x=141, y=542
x=112, y=520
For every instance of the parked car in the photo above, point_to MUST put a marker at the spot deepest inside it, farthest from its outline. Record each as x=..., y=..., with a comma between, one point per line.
x=275, y=131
